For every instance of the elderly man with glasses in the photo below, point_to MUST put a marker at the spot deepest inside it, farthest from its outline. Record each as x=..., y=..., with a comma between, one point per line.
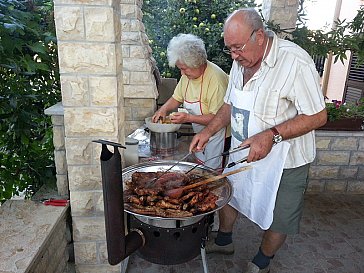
x=273, y=103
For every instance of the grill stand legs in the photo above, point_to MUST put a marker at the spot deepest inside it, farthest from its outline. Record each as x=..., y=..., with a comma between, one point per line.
x=124, y=266
x=204, y=261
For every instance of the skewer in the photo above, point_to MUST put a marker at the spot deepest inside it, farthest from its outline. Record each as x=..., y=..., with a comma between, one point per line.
x=177, y=192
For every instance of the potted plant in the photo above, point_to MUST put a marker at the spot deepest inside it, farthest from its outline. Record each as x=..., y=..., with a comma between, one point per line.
x=347, y=116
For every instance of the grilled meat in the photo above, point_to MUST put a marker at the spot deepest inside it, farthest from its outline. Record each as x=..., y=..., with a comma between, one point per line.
x=159, y=179
x=146, y=191
x=172, y=180
x=166, y=205
x=144, y=195
x=209, y=203
x=141, y=179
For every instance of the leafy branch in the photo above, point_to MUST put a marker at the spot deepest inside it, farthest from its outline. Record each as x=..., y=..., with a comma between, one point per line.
x=346, y=36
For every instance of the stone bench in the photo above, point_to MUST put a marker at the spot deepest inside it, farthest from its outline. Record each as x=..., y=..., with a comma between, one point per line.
x=33, y=237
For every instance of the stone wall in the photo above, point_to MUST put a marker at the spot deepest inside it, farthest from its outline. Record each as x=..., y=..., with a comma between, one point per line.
x=339, y=164
x=140, y=90
x=108, y=88
x=282, y=12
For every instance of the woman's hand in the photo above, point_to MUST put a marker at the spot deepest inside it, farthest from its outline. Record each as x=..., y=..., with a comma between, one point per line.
x=166, y=108
x=180, y=117
x=160, y=114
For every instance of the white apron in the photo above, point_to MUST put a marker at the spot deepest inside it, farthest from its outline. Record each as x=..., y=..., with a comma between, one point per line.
x=254, y=190
x=215, y=146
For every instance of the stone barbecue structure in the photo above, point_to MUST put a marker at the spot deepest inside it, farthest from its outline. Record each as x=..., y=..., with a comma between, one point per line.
x=108, y=88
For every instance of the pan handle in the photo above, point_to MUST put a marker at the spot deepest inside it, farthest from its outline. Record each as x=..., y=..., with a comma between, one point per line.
x=180, y=134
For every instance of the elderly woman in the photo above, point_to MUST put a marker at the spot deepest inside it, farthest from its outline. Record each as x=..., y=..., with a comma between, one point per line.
x=201, y=90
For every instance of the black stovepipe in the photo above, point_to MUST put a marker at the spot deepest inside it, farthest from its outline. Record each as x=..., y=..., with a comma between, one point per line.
x=119, y=245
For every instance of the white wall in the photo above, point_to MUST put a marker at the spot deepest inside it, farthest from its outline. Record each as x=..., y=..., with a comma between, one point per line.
x=338, y=73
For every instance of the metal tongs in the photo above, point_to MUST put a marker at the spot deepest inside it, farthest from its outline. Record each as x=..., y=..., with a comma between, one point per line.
x=237, y=149
x=170, y=168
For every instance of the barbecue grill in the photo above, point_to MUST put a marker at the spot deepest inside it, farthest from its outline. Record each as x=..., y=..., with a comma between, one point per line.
x=159, y=240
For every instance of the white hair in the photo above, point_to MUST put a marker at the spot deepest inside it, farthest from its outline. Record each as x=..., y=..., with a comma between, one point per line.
x=188, y=49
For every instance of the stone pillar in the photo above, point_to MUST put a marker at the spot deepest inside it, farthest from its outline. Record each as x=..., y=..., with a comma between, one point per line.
x=140, y=89
x=282, y=12
x=56, y=112
x=90, y=62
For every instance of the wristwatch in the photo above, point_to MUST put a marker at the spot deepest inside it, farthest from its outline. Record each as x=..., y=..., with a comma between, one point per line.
x=277, y=137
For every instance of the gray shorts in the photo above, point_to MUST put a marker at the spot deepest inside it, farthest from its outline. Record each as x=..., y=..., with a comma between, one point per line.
x=289, y=202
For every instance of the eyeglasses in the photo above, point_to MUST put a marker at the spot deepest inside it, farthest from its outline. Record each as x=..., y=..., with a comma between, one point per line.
x=234, y=50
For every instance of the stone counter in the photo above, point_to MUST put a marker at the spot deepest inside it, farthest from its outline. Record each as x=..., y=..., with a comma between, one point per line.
x=337, y=168
x=32, y=237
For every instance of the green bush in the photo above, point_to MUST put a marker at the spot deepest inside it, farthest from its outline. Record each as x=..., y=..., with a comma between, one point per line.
x=348, y=35
x=204, y=18
x=29, y=83
x=337, y=110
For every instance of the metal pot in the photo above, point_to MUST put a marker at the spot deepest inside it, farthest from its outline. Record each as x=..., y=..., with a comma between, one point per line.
x=165, y=143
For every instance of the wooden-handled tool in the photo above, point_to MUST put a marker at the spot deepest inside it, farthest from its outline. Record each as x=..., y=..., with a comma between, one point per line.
x=177, y=192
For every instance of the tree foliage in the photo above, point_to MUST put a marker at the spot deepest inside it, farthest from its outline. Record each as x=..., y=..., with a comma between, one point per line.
x=348, y=35
x=165, y=19
x=205, y=18
x=29, y=83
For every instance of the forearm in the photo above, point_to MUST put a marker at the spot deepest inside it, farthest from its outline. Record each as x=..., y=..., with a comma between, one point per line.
x=301, y=124
x=220, y=120
x=170, y=104
x=261, y=143
x=201, y=119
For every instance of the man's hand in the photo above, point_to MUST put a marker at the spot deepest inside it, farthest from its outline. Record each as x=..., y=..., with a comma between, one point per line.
x=199, y=141
x=260, y=145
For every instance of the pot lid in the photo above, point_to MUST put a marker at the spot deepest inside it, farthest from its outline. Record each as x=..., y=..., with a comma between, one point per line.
x=131, y=141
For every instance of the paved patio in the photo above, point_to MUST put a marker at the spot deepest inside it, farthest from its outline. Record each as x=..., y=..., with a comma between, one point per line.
x=331, y=241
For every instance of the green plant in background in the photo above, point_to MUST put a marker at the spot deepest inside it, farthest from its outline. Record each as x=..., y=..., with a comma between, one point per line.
x=337, y=110
x=204, y=18
x=346, y=36
x=29, y=83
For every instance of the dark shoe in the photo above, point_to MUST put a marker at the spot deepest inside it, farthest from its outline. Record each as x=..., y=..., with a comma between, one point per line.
x=252, y=268
x=211, y=247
